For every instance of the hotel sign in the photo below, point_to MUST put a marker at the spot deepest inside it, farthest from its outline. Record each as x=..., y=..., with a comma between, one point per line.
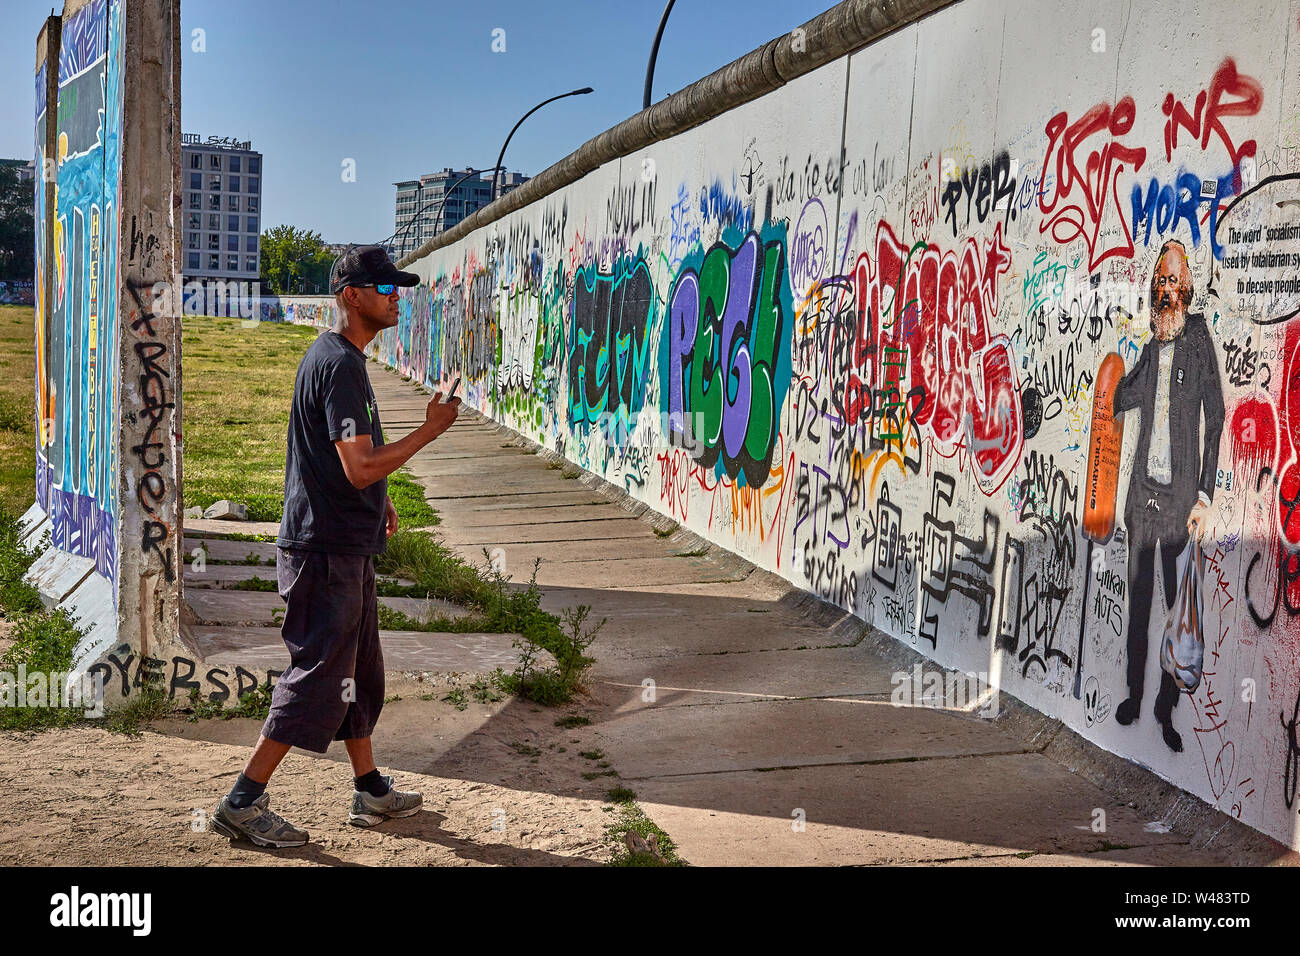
x=223, y=142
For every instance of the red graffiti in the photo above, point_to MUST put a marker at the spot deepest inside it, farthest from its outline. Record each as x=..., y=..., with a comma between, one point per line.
x=1288, y=479
x=925, y=355
x=1254, y=436
x=674, y=480
x=1070, y=214
x=1206, y=118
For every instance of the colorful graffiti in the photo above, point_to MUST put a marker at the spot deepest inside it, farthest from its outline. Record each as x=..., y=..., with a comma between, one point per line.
x=868, y=362
x=77, y=324
x=725, y=353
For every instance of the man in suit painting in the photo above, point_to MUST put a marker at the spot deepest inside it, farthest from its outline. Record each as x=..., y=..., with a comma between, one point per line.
x=1176, y=378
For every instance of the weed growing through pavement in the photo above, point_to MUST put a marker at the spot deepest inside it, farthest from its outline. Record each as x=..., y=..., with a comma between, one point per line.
x=638, y=840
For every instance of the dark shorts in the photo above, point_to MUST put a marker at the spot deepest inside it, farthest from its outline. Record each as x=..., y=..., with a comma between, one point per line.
x=334, y=687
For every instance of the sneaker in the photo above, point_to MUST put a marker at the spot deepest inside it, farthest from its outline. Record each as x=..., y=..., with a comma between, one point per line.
x=368, y=810
x=257, y=823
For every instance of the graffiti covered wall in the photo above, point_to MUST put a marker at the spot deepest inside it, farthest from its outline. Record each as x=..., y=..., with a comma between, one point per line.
x=77, y=325
x=853, y=330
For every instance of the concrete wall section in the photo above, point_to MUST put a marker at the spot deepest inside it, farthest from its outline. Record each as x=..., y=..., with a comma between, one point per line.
x=853, y=329
x=107, y=327
x=76, y=318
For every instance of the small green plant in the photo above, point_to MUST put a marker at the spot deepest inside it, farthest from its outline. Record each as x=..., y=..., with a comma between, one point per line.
x=456, y=697
x=592, y=754
x=485, y=689
x=632, y=828
x=569, y=721
x=147, y=704
x=254, y=584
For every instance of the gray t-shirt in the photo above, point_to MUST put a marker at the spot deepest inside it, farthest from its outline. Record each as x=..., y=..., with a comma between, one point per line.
x=332, y=399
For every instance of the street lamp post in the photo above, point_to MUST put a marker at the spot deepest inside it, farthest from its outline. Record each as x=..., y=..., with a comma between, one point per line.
x=654, y=55
x=501, y=158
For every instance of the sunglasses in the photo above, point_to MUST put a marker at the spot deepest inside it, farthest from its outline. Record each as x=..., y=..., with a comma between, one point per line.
x=386, y=289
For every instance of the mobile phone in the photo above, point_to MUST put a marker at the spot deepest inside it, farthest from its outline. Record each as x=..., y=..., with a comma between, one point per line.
x=452, y=391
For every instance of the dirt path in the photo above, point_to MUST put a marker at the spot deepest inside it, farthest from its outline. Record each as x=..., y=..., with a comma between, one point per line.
x=497, y=791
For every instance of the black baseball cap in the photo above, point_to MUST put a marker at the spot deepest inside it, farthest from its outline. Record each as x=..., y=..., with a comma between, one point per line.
x=367, y=265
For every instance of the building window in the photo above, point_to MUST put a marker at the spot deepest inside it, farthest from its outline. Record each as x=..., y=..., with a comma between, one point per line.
x=196, y=201
x=233, y=183
x=196, y=180
x=196, y=220
x=214, y=222
x=252, y=204
x=232, y=203
x=214, y=241
x=252, y=224
x=192, y=240
x=214, y=201
x=232, y=224
x=232, y=243
x=193, y=260
x=214, y=161
x=234, y=164
x=214, y=260
x=254, y=164
x=250, y=244
x=250, y=263
x=252, y=184
x=196, y=161
x=232, y=263
x=214, y=182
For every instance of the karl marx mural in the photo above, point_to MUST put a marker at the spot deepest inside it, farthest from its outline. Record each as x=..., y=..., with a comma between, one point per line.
x=1171, y=485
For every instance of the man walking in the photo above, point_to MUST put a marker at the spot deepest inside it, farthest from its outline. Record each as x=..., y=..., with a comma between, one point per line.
x=337, y=516
x=1175, y=467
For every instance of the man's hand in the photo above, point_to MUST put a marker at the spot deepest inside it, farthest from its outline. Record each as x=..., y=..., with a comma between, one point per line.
x=364, y=464
x=390, y=516
x=1196, y=520
x=439, y=415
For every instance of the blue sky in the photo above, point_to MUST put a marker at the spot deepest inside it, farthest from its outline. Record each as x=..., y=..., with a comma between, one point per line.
x=405, y=88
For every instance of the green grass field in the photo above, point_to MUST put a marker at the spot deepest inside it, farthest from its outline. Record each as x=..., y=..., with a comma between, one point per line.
x=236, y=391
x=17, y=408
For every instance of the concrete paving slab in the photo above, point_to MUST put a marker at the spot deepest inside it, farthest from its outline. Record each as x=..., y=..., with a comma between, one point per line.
x=436, y=486
x=926, y=811
x=642, y=623
x=478, y=519
x=219, y=549
x=261, y=648
x=207, y=528
x=633, y=572
x=482, y=465
x=224, y=575
x=654, y=741
x=745, y=677
x=254, y=608
x=512, y=503
x=561, y=531
x=519, y=557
